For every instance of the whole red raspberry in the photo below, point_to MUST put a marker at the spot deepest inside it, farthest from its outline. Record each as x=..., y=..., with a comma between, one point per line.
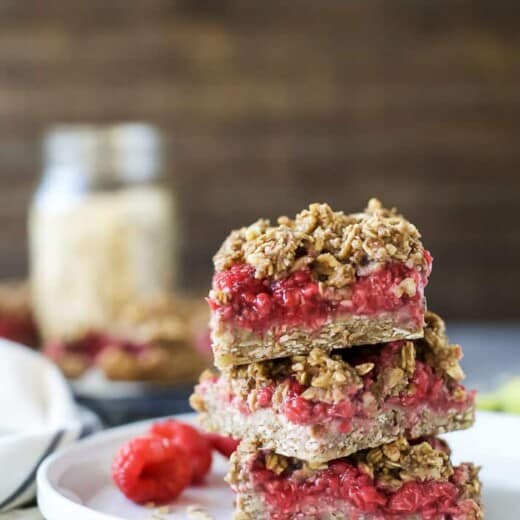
x=224, y=445
x=192, y=441
x=151, y=469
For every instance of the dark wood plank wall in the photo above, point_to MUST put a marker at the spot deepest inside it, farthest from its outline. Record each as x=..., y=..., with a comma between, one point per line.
x=270, y=105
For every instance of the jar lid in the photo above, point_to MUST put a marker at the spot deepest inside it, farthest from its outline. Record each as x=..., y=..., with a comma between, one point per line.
x=129, y=152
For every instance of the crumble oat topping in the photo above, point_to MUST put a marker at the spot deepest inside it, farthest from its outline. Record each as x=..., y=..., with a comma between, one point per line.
x=399, y=462
x=472, y=484
x=439, y=353
x=332, y=244
x=326, y=376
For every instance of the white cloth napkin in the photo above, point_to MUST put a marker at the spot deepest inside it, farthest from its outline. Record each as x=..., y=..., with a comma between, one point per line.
x=37, y=416
x=22, y=514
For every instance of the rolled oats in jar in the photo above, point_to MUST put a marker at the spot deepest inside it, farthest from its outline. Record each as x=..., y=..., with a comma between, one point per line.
x=101, y=226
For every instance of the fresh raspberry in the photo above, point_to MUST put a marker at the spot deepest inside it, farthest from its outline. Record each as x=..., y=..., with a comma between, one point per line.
x=192, y=441
x=151, y=469
x=224, y=445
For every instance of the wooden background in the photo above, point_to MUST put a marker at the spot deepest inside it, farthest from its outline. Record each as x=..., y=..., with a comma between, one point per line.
x=274, y=104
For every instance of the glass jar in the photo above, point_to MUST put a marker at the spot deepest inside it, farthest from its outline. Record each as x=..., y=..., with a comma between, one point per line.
x=102, y=227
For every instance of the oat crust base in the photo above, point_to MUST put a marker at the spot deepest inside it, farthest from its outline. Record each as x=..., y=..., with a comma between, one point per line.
x=316, y=444
x=237, y=346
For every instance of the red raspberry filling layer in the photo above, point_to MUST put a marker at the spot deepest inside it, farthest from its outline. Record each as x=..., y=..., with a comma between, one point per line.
x=425, y=389
x=258, y=304
x=343, y=481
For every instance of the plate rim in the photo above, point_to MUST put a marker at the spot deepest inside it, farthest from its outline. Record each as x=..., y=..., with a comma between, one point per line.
x=53, y=504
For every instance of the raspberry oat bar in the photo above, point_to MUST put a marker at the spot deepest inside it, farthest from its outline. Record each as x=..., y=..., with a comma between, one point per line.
x=397, y=481
x=325, y=406
x=323, y=279
x=151, y=341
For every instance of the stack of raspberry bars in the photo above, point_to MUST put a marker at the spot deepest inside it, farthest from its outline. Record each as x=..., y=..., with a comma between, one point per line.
x=333, y=374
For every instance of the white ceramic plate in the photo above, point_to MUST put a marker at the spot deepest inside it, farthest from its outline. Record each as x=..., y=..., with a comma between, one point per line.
x=75, y=483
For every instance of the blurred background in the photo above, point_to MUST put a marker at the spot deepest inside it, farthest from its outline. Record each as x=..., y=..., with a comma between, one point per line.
x=267, y=106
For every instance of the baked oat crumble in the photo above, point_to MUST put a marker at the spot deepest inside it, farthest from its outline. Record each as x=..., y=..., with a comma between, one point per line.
x=399, y=462
x=196, y=512
x=332, y=244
